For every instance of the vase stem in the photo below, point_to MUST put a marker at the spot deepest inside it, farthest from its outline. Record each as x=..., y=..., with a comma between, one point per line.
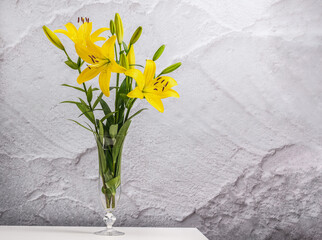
x=109, y=220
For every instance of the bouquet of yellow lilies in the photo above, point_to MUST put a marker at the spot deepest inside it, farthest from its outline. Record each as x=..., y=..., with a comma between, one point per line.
x=114, y=55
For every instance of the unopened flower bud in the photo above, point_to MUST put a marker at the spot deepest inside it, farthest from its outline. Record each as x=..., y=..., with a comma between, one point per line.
x=118, y=28
x=112, y=27
x=53, y=38
x=123, y=61
x=136, y=35
x=131, y=57
x=171, y=68
x=158, y=53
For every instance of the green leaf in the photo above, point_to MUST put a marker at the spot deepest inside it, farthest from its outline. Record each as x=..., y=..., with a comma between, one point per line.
x=121, y=115
x=101, y=158
x=86, y=110
x=113, y=130
x=105, y=107
x=89, y=94
x=122, y=93
x=98, y=100
x=119, y=140
x=107, y=116
x=89, y=111
x=89, y=127
x=71, y=64
x=138, y=112
x=79, y=62
x=107, y=110
x=124, y=96
x=101, y=131
x=78, y=88
x=158, y=53
x=95, y=89
x=117, y=169
x=80, y=125
x=70, y=102
x=113, y=184
x=137, y=65
x=170, y=68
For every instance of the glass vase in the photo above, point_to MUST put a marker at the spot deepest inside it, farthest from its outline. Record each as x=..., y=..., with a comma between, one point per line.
x=109, y=184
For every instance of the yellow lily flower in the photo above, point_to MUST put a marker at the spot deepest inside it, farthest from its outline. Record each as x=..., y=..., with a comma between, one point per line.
x=150, y=88
x=131, y=57
x=101, y=60
x=80, y=35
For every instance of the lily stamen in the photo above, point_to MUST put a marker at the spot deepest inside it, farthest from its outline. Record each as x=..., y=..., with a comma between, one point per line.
x=91, y=58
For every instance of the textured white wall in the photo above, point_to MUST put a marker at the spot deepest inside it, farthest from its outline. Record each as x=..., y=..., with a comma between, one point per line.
x=238, y=155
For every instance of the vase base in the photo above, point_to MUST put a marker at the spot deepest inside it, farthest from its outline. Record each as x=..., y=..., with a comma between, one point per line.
x=109, y=232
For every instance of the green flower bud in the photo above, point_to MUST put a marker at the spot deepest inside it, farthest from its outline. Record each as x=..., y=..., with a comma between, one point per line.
x=136, y=35
x=123, y=61
x=112, y=27
x=158, y=53
x=113, y=130
x=118, y=28
x=171, y=68
x=53, y=38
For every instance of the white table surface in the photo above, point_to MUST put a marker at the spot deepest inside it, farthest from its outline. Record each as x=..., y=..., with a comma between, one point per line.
x=82, y=233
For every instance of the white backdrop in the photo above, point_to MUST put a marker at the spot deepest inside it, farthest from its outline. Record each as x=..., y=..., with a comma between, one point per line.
x=238, y=155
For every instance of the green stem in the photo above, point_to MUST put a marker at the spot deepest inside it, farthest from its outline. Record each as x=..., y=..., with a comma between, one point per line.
x=113, y=201
x=117, y=86
x=66, y=54
x=89, y=104
x=129, y=109
x=116, y=97
x=116, y=53
x=107, y=202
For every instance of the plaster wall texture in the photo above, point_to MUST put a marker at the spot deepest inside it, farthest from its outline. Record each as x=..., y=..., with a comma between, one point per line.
x=238, y=155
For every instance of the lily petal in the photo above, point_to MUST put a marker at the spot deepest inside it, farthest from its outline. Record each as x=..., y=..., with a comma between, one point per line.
x=149, y=71
x=131, y=57
x=136, y=93
x=98, y=32
x=62, y=31
x=104, y=82
x=72, y=30
x=98, y=39
x=155, y=101
x=169, y=93
x=88, y=74
x=114, y=67
x=83, y=53
x=94, y=49
x=170, y=80
x=108, y=47
x=138, y=77
x=84, y=31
